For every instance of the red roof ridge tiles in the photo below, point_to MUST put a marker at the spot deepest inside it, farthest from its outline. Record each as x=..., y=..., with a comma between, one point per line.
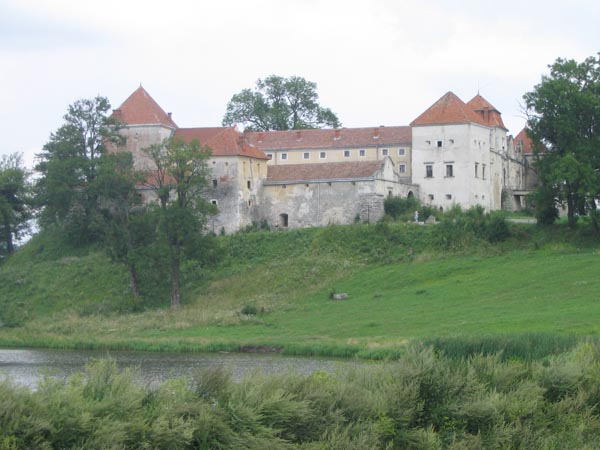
x=141, y=109
x=291, y=173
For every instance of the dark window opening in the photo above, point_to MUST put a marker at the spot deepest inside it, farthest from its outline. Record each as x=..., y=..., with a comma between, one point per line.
x=215, y=183
x=249, y=184
x=283, y=219
x=449, y=170
x=440, y=144
x=428, y=171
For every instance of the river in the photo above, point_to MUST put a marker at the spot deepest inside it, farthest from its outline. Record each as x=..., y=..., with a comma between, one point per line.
x=27, y=367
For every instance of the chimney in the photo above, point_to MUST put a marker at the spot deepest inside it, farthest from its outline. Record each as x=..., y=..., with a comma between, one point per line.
x=169, y=114
x=298, y=135
x=375, y=133
x=117, y=114
x=336, y=135
x=261, y=137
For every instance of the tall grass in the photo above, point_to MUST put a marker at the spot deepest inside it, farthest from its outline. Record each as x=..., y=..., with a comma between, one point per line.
x=424, y=401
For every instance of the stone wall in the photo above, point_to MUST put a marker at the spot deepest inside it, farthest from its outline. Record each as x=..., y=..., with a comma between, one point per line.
x=319, y=203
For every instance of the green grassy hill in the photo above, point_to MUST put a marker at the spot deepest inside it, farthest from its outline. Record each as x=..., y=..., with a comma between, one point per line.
x=535, y=293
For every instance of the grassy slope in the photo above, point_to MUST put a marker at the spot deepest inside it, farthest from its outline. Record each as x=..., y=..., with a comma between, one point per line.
x=537, y=282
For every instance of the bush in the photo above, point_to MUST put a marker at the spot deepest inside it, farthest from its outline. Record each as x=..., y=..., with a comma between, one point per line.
x=396, y=207
x=249, y=310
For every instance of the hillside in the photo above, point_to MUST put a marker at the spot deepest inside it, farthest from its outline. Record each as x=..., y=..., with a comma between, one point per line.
x=270, y=291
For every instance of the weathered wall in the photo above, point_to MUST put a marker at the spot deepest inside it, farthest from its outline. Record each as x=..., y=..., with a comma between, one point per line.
x=235, y=184
x=464, y=146
x=321, y=203
x=140, y=137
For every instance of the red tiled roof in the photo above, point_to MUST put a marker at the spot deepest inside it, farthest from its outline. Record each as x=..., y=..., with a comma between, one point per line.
x=224, y=141
x=328, y=138
x=490, y=115
x=525, y=141
x=323, y=171
x=141, y=109
x=448, y=109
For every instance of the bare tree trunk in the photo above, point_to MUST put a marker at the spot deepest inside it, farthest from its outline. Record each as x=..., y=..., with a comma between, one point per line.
x=10, y=247
x=175, y=280
x=571, y=217
x=133, y=278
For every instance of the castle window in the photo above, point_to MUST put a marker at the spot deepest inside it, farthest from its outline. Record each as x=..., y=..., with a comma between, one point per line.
x=401, y=152
x=430, y=197
x=249, y=184
x=448, y=196
x=483, y=171
x=215, y=183
x=439, y=144
x=476, y=170
x=346, y=153
x=283, y=156
x=214, y=202
x=283, y=220
x=385, y=152
x=449, y=170
x=402, y=168
x=306, y=155
x=322, y=155
x=428, y=171
x=361, y=153
x=270, y=155
x=249, y=203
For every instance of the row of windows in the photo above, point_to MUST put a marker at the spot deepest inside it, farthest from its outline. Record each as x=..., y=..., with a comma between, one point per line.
x=347, y=154
x=450, y=170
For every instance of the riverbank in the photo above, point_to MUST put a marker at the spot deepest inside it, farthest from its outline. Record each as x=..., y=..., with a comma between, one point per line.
x=529, y=296
x=424, y=401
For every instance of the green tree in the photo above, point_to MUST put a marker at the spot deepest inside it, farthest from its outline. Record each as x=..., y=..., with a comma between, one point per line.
x=69, y=165
x=128, y=228
x=15, y=202
x=564, y=119
x=181, y=172
x=278, y=103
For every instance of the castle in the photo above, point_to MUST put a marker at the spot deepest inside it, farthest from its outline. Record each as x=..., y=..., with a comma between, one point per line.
x=453, y=153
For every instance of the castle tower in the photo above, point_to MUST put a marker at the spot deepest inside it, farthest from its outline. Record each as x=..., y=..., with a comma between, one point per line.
x=145, y=123
x=457, y=153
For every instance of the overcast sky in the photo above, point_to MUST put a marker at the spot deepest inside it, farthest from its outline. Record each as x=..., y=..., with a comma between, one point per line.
x=377, y=62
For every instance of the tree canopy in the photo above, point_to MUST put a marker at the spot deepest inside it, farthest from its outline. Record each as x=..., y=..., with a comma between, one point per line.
x=278, y=103
x=180, y=175
x=564, y=119
x=15, y=202
x=69, y=165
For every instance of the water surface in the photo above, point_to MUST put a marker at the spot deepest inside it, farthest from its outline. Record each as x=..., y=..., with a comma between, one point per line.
x=28, y=367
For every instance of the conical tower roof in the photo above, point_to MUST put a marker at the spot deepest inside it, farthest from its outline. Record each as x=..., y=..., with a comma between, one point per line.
x=141, y=109
x=448, y=109
x=490, y=115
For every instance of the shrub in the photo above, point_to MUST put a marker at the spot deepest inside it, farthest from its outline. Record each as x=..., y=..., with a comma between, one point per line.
x=249, y=310
x=395, y=207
